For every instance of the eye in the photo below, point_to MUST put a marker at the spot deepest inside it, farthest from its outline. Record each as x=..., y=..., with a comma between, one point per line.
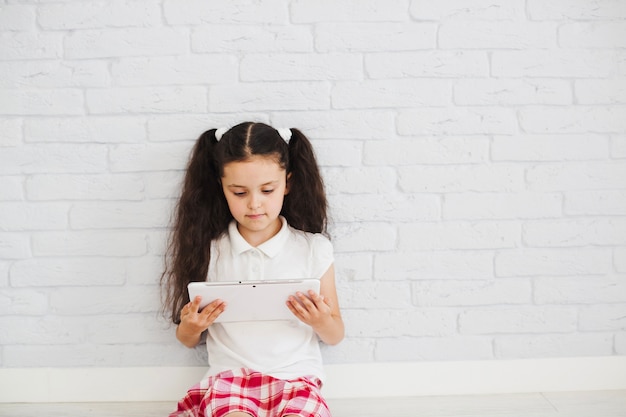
x=268, y=191
x=239, y=193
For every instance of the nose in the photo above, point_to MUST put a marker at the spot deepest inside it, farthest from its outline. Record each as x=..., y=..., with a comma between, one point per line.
x=254, y=202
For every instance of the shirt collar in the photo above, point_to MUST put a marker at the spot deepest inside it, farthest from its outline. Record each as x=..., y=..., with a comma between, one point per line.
x=270, y=248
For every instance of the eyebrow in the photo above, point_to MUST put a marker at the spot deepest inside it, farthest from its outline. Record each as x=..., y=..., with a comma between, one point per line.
x=243, y=186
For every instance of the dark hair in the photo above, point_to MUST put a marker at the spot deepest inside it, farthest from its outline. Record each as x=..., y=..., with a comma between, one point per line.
x=202, y=213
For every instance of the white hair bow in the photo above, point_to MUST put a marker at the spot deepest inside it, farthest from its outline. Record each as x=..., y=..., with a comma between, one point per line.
x=284, y=133
x=220, y=132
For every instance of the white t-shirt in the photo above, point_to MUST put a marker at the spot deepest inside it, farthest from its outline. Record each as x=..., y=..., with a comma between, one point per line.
x=282, y=349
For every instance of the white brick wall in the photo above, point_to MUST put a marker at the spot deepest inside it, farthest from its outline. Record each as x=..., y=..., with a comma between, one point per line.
x=474, y=153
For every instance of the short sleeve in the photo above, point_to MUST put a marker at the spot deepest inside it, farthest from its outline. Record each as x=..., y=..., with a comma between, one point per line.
x=323, y=254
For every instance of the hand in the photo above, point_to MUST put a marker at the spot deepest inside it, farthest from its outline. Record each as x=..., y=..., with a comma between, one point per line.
x=313, y=310
x=193, y=321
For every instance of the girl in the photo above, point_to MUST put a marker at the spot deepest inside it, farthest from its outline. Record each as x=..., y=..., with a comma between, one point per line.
x=253, y=207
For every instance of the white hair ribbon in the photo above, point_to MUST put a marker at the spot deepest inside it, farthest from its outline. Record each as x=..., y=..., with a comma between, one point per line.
x=220, y=132
x=284, y=133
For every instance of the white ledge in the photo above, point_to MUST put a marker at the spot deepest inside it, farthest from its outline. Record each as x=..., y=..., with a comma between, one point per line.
x=344, y=381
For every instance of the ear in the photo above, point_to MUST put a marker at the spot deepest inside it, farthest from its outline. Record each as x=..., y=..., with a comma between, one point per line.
x=288, y=184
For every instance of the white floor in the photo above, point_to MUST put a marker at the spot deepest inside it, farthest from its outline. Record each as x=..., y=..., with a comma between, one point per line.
x=566, y=404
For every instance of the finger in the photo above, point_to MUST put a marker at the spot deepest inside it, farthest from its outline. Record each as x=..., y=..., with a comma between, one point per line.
x=214, y=306
x=195, y=303
x=306, y=302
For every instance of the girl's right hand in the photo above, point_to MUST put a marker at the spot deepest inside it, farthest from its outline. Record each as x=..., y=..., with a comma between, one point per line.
x=193, y=322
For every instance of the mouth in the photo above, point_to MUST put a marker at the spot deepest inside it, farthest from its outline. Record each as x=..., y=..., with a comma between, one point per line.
x=255, y=216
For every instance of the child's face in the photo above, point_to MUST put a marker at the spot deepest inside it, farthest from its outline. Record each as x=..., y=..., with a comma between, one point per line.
x=255, y=190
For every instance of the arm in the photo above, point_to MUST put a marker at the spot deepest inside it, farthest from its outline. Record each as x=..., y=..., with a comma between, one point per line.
x=321, y=311
x=194, y=322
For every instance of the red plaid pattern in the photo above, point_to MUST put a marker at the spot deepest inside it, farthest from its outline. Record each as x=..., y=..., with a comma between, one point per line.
x=254, y=393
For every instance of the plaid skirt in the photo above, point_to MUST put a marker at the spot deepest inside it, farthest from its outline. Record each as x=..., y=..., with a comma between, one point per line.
x=254, y=393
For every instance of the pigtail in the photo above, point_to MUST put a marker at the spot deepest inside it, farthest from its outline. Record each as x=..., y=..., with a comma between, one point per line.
x=305, y=206
x=201, y=215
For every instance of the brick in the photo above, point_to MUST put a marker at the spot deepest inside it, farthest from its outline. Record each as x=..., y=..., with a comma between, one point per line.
x=188, y=127
x=43, y=330
x=11, y=189
x=593, y=35
x=576, y=9
x=93, y=300
x=300, y=67
x=313, y=11
x=458, y=235
x=461, y=178
x=19, y=216
x=145, y=270
x=560, y=63
x=14, y=246
x=87, y=15
x=197, y=12
x=84, y=187
x=457, y=121
x=384, y=207
x=619, y=259
x=54, y=74
x=522, y=319
x=157, y=241
x=120, y=215
x=549, y=148
x=92, y=129
x=166, y=184
x=52, y=272
x=18, y=17
x=448, y=150
x=458, y=10
x=53, y=159
x=374, y=37
x=440, y=265
x=115, y=43
x=375, y=296
x=429, y=64
x=42, y=102
x=553, y=262
x=250, y=38
x=21, y=45
x=473, y=206
x=359, y=180
x=553, y=346
x=351, y=267
x=349, y=351
x=355, y=237
x=450, y=293
x=147, y=100
x=106, y=355
x=23, y=302
x=460, y=34
x=179, y=70
x=610, y=119
x=408, y=349
x=488, y=92
x=578, y=232
x=391, y=94
x=412, y=323
x=578, y=176
x=89, y=243
x=337, y=153
x=153, y=157
x=620, y=343
x=270, y=96
x=581, y=290
x=362, y=125
x=11, y=129
x=610, y=91
x=611, y=318
x=4, y=274
x=618, y=146
x=123, y=329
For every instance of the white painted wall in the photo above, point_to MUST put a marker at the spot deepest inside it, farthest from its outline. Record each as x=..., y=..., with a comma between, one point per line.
x=474, y=153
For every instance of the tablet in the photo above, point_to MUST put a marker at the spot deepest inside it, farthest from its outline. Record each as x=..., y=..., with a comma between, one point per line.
x=252, y=300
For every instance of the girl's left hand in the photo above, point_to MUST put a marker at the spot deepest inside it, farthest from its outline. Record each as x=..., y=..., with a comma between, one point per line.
x=313, y=309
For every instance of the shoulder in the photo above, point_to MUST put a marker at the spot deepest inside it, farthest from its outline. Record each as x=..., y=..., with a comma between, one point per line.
x=317, y=244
